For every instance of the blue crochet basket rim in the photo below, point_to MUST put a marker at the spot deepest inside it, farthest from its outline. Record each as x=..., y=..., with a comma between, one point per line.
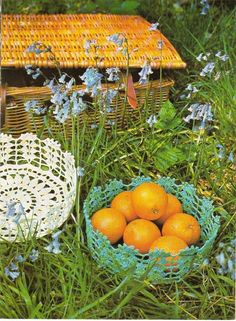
x=120, y=258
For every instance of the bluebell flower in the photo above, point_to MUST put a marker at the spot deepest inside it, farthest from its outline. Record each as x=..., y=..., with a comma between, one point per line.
x=111, y=122
x=31, y=104
x=205, y=262
x=63, y=114
x=38, y=48
x=15, y=211
x=113, y=74
x=230, y=265
x=208, y=69
x=231, y=157
x=11, y=209
x=54, y=246
x=51, y=85
x=160, y=44
x=36, y=74
x=183, y=96
x=88, y=44
x=152, y=120
x=62, y=78
x=70, y=83
x=59, y=98
x=34, y=255
x=93, y=80
x=205, y=7
x=226, y=260
x=20, y=212
x=154, y=26
x=19, y=258
x=107, y=98
x=221, y=244
x=77, y=105
x=12, y=271
x=118, y=39
x=200, y=112
x=192, y=88
x=220, y=271
x=233, y=242
x=80, y=171
x=222, y=57
x=221, y=259
x=221, y=153
x=201, y=56
x=29, y=69
x=144, y=73
x=35, y=107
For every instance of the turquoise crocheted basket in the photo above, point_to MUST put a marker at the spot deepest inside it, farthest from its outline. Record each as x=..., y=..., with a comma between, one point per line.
x=122, y=259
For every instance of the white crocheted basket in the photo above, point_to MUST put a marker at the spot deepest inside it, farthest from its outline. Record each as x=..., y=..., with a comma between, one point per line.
x=40, y=177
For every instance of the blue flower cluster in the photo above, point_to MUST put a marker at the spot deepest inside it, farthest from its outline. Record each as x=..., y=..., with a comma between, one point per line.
x=145, y=72
x=113, y=74
x=154, y=26
x=93, y=81
x=118, y=39
x=106, y=100
x=35, y=106
x=15, y=211
x=38, y=48
x=222, y=155
x=12, y=271
x=54, y=246
x=88, y=44
x=226, y=259
x=152, y=120
x=210, y=66
x=201, y=113
x=33, y=71
x=205, y=7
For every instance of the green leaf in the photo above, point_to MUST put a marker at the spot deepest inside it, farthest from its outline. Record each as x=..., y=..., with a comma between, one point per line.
x=130, y=6
x=168, y=156
x=167, y=117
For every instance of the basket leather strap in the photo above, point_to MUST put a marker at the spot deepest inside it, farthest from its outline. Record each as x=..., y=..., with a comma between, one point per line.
x=3, y=94
x=131, y=94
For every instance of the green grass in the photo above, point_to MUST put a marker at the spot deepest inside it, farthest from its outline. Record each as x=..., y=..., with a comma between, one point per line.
x=71, y=284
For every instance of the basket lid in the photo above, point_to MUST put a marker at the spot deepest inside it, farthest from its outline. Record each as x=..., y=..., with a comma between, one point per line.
x=67, y=35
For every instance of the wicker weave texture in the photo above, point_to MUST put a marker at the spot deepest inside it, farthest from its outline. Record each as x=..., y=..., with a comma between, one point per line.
x=66, y=34
x=18, y=121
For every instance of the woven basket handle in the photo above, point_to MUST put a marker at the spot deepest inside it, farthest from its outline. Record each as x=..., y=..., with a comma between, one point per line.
x=3, y=94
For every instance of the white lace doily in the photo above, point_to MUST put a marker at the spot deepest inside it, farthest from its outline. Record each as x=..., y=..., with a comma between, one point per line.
x=38, y=175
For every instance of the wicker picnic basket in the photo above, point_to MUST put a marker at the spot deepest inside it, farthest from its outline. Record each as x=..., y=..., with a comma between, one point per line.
x=66, y=34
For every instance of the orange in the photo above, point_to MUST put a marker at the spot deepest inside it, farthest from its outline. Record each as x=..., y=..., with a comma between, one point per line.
x=123, y=203
x=141, y=234
x=170, y=244
x=184, y=226
x=173, y=207
x=109, y=222
x=149, y=200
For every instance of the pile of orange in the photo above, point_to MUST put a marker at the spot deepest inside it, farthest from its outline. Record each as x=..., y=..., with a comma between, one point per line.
x=148, y=218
